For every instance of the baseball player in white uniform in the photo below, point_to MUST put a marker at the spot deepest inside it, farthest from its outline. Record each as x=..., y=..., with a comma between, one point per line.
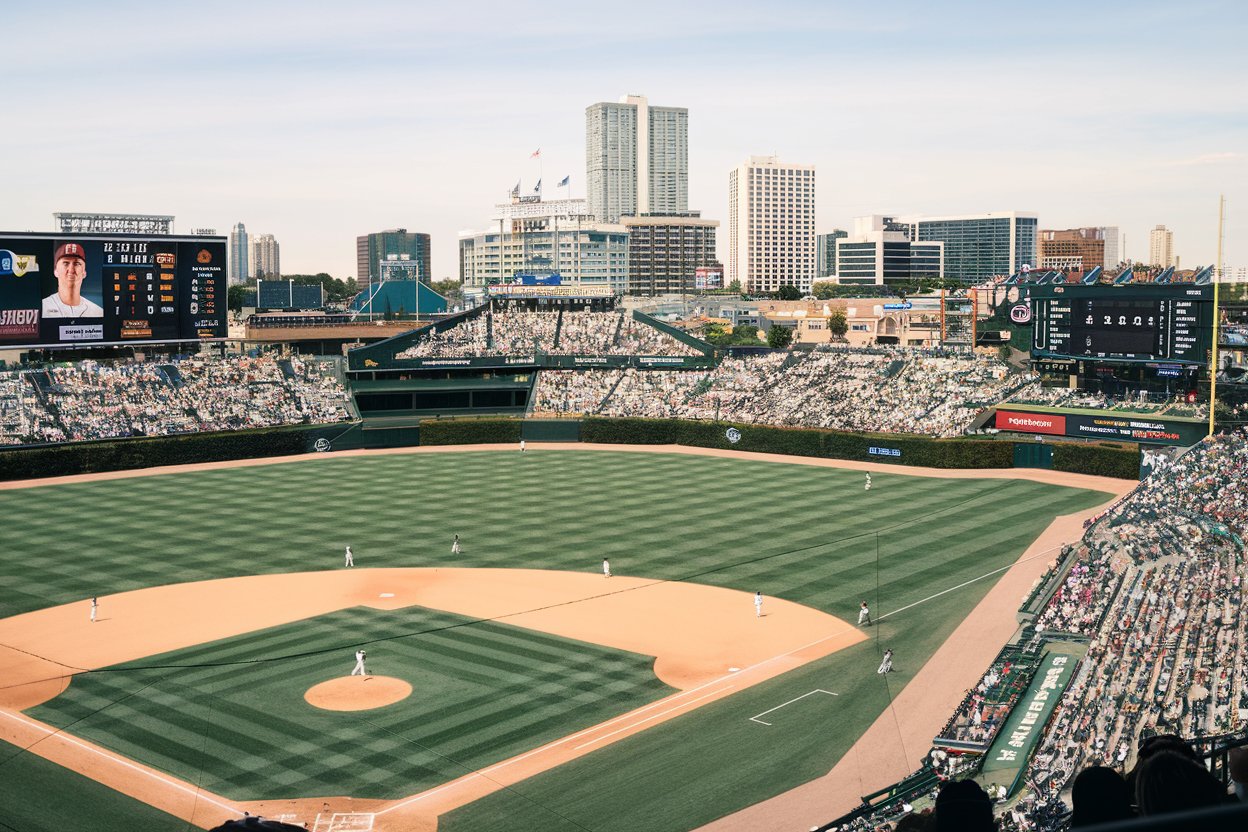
x=864, y=614
x=886, y=666
x=758, y=605
x=455, y=545
x=94, y=607
x=359, y=664
x=606, y=568
x=868, y=488
x=350, y=559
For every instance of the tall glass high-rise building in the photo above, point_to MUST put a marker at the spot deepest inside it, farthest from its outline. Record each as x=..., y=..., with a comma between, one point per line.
x=240, y=252
x=980, y=246
x=636, y=159
x=266, y=257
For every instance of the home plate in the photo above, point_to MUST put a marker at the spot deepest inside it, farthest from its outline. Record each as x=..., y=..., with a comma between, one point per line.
x=387, y=595
x=734, y=670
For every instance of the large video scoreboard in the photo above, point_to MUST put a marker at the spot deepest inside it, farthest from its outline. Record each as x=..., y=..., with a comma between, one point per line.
x=60, y=290
x=1168, y=323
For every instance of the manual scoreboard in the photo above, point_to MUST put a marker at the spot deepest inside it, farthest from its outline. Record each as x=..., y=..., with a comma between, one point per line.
x=59, y=290
x=1170, y=323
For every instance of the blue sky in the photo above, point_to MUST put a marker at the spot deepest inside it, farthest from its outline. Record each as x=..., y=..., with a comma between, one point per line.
x=319, y=121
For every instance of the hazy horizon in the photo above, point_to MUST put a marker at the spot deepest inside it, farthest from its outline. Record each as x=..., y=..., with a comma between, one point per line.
x=317, y=123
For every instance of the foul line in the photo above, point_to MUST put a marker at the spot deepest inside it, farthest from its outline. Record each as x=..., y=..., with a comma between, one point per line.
x=1005, y=568
x=69, y=738
x=790, y=702
x=483, y=772
x=652, y=716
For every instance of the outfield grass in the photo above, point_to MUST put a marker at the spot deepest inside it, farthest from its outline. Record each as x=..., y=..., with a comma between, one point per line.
x=804, y=533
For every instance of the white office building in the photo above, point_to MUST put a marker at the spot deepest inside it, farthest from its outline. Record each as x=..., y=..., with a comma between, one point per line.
x=266, y=257
x=1161, y=247
x=528, y=236
x=636, y=159
x=771, y=225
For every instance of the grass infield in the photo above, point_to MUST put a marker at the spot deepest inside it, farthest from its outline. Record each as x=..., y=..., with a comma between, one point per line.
x=807, y=534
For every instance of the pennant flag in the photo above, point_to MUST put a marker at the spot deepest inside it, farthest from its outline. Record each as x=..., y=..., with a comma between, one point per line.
x=563, y=183
x=537, y=189
x=536, y=154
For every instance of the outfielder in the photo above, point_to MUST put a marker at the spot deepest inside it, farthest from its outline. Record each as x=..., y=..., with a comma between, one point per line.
x=350, y=559
x=606, y=568
x=455, y=545
x=359, y=670
x=886, y=666
x=868, y=488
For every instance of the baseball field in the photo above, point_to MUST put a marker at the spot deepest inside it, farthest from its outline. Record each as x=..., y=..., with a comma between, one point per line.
x=510, y=686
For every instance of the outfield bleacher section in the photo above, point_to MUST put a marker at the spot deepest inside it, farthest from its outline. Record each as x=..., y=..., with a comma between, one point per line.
x=877, y=389
x=92, y=400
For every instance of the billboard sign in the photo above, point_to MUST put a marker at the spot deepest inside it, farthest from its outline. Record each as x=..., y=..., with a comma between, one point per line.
x=80, y=290
x=708, y=277
x=1111, y=425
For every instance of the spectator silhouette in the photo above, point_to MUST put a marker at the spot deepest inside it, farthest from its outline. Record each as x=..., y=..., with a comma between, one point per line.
x=1170, y=781
x=962, y=806
x=1100, y=795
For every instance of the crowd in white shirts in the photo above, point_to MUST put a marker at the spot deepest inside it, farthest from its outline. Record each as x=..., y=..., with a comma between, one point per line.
x=93, y=400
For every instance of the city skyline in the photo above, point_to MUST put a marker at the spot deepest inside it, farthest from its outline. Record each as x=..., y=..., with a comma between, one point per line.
x=321, y=127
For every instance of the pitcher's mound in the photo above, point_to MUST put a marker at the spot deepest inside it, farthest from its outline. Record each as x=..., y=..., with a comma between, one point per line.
x=357, y=693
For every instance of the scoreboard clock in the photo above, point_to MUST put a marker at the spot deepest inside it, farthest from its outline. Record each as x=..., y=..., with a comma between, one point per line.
x=1132, y=323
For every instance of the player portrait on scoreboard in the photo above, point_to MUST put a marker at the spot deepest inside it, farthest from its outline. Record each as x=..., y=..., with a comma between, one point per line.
x=70, y=300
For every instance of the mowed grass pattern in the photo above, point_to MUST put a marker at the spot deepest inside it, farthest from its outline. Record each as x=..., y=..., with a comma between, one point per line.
x=230, y=716
x=808, y=534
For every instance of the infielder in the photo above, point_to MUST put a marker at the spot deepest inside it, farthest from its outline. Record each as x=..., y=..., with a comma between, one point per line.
x=359, y=664
x=606, y=568
x=455, y=545
x=94, y=606
x=868, y=488
x=864, y=614
x=350, y=559
x=886, y=666
x=758, y=605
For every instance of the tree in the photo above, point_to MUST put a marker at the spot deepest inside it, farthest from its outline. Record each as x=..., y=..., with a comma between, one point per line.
x=838, y=325
x=735, y=287
x=823, y=289
x=779, y=337
x=238, y=295
x=745, y=335
x=450, y=289
x=789, y=293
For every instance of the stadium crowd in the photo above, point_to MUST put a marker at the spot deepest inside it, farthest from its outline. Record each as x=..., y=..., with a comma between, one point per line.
x=1156, y=586
x=512, y=330
x=1034, y=393
x=90, y=400
x=889, y=389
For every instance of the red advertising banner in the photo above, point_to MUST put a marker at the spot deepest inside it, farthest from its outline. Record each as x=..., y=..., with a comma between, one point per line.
x=1050, y=423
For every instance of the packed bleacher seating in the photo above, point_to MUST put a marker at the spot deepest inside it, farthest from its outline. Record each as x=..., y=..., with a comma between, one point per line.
x=90, y=400
x=512, y=330
x=888, y=389
x=1140, y=403
x=1157, y=586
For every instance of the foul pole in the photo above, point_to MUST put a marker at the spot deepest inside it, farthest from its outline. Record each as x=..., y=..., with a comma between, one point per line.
x=1213, y=354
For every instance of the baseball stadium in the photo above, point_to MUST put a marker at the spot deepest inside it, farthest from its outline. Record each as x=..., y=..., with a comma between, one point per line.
x=551, y=562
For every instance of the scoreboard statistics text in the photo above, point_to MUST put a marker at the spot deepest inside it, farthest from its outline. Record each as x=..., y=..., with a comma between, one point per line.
x=59, y=290
x=1171, y=323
